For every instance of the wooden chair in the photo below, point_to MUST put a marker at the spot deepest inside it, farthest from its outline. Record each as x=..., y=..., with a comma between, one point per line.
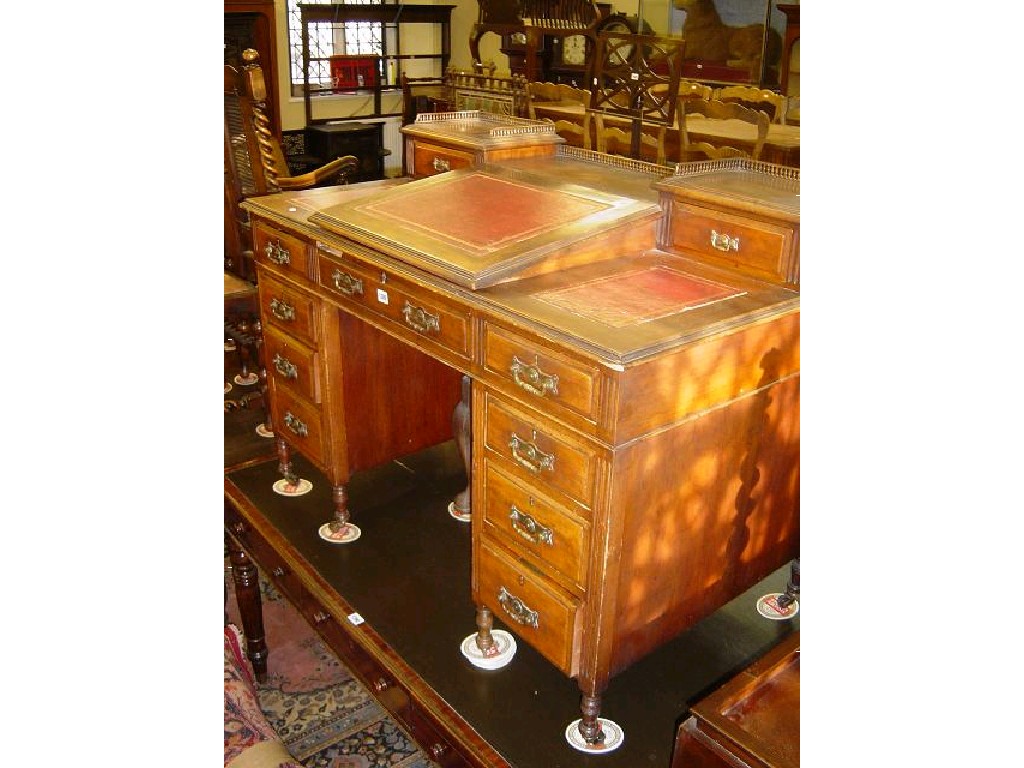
x=728, y=122
x=771, y=103
x=792, y=114
x=423, y=94
x=561, y=93
x=253, y=165
x=691, y=89
x=615, y=140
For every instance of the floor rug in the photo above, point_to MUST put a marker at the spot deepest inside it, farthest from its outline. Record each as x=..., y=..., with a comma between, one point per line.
x=325, y=717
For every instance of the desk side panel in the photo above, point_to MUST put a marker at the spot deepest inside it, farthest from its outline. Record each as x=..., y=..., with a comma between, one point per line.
x=704, y=510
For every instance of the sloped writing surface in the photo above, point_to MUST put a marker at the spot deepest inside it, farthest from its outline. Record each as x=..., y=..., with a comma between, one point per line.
x=478, y=227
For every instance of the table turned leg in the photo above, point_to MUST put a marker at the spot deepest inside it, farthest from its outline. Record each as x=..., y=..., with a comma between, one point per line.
x=484, y=624
x=341, y=514
x=793, y=587
x=250, y=607
x=462, y=427
x=590, y=726
x=284, y=462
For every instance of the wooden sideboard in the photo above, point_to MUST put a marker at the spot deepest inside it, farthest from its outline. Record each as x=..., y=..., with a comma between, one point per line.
x=633, y=445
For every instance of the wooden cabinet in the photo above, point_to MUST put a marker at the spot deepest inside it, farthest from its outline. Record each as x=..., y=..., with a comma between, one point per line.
x=365, y=141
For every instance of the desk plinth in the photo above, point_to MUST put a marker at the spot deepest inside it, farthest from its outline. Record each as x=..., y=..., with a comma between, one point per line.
x=634, y=412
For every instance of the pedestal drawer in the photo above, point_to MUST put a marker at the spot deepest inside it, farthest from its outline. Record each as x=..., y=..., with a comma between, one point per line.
x=540, y=376
x=288, y=309
x=524, y=600
x=281, y=250
x=292, y=364
x=534, y=451
x=757, y=248
x=431, y=159
x=299, y=424
x=548, y=535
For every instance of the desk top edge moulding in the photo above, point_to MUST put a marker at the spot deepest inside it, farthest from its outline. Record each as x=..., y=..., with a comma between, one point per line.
x=620, y=370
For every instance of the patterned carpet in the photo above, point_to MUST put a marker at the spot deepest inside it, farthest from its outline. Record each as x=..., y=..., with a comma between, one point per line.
x=324, y=716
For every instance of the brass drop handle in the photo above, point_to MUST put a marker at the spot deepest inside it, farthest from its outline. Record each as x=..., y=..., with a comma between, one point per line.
x=238, y=528
x=344, y=282
x=528, y=455
x=517, y=610
x=441, y=165
x=438, y=750
x=381, y=685
x=724, y=242
x=320, y=617
x=282, y=311
x=278, y=572
x=278, y=254
x=420, y=320
x=532, y=378
x=296, y=424
x=530, y=529
x=285, y=367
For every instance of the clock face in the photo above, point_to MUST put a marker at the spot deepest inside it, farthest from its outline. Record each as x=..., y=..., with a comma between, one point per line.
x=574, y=50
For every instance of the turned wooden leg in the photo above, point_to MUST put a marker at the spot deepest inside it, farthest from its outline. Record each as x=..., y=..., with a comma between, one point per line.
x=462, y=427
x=268, y=423
x=341, y=515
x=484, y=624
x=250, y=606
x=793, y=587
x=243, y=341
x=284, y=462
x=590, y=728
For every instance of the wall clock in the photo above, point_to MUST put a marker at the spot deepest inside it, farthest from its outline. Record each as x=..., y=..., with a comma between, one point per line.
x=574, y=50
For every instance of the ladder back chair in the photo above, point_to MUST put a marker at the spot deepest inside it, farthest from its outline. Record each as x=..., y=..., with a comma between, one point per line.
x=563, y=95
x=771, y=103
x=717, y=129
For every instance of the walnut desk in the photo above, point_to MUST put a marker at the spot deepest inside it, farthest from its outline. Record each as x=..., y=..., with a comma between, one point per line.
x=630, y=420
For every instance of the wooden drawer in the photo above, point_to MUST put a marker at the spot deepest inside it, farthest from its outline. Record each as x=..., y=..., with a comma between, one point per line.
x=432, y=159
x=419, y=315
x=524, y=600
x=753, y=247
x=426, y=733
x=539, y=375
x=288, y=308
x=280, y=250
x=347, y=276
x=546, y=534
x=536, y=453
x=292, y=364
x=299, y=424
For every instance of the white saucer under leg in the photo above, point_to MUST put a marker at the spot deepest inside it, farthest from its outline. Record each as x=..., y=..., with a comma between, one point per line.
x=246, y=381
x=613, y=737
x=262, y=431
x=299, y=489
x=463, y=517
x=347, y=533
x=768, y=606
x=501, y=654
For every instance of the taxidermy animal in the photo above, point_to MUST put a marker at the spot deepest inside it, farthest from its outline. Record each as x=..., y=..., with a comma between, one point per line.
x=708, y=38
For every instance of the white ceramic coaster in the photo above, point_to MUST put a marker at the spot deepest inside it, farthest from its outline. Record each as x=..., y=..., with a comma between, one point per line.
x=227, y=387
x=262, y=431
x=613, y=737
x=768, y=606
x=246, y=381
x=299, y=489
x=503, y=641
x=229, y=345
x=464, y=517
x=348, y=533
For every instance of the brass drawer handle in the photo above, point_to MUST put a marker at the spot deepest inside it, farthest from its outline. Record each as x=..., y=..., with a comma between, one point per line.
x=532, y=379
x=442, y=165
x=278, y=254
x=295, y=424
x=285, y=367
x=278, y=572
x=438, y=750
x=529, y=528
x=344, y=282
x=381, y=685
x=517, y=610
x=530, y=456
x=420, y=320
x=320, y=617
x=239, y=528
x=724, y=242
x=282, y=311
